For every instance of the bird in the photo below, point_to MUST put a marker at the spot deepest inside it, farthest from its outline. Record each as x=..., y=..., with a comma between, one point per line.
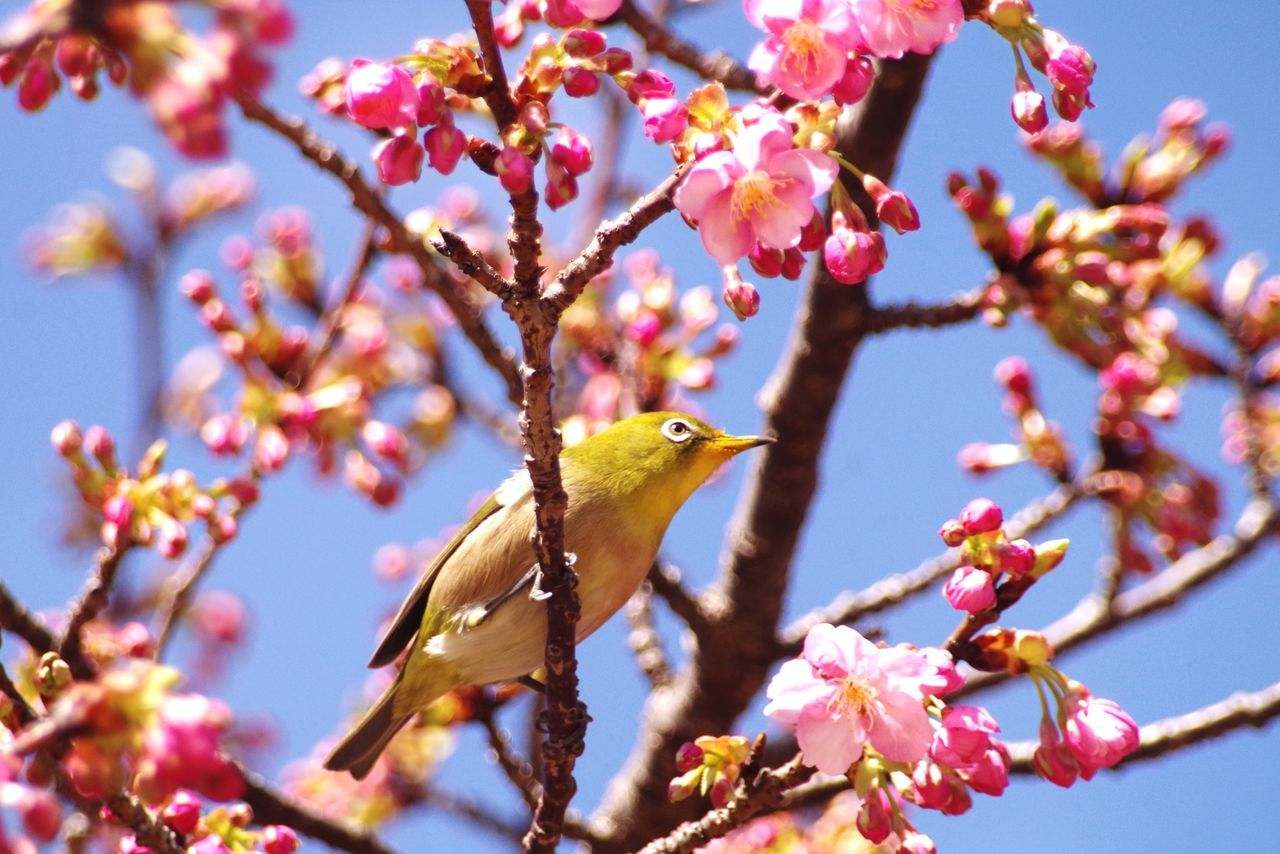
x=470, y=619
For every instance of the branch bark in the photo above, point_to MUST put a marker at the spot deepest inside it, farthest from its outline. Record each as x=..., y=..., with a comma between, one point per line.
x=709, y=65
x=730, y=664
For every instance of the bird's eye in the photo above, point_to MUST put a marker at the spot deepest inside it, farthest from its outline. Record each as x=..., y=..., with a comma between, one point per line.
x=677, y=430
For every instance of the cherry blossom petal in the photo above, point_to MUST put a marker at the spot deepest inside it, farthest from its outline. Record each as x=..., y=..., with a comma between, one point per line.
x=829, y=745
x=795, y=689
x=816, y=171
x=709, y=176
x=725, y=237
x=837, y=650
x=902, y=732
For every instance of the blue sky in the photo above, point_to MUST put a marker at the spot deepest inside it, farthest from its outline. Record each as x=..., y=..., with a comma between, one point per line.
x=888, y=477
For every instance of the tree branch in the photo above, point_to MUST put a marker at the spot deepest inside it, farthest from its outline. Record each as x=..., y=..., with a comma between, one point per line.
x=464, y=306
x=272, y=807
x=664, y=578
x=709, y=65
x=129, y=811
x=913, y=315
x=15, y=618
x=518, y=770
x=1255, y=709
x=850, y=607
x=326, y=333
x=471, y=263
x=93, y=599
x=728, y=668
x=644, y=638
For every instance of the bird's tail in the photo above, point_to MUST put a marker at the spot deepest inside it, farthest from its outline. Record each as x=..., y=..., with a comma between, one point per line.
x=361, y=747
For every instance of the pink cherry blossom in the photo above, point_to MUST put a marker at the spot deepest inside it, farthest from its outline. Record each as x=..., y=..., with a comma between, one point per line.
x=399, y=159
x=852, y=254
x=844, y=693
x=890, y=28
x=761, y=190
x=964, y=737
x=808, y=46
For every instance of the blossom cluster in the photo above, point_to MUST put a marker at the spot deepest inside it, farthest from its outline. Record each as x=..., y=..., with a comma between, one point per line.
x=186, y=78
x=987, y=555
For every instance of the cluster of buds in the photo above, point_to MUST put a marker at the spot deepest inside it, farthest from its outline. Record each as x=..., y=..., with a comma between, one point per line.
x=289, y=397
x=185, y=77
x=222, y=830
x=709, y=766
x=561, y=14
x=854, y=251
x=1068, y=67
x=988, y=555
x=1083, y=735
x=37, y=810
x=131, y=726
x=1038, y=439
x=651, y=336
x=89, y=237
x=147, y=506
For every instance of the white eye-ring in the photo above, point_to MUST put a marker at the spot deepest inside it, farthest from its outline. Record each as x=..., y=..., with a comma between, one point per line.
x=677, y=430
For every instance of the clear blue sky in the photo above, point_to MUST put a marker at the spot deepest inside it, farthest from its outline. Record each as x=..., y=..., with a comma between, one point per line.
x=889, y=476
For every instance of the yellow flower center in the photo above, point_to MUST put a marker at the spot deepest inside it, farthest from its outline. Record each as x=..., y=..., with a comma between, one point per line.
x=853, y=698
x=804, y=41
x=755, y=193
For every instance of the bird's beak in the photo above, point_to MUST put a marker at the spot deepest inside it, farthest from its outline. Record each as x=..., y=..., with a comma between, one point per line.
x=738, y=444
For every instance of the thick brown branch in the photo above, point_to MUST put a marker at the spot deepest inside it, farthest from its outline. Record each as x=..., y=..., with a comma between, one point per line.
x=913, y=315
x=1092, y=618
x=709, y=65
x=93, y=599
x=729, y=666
x=498, y=91
x=767, y=793
x=464, y=306
x=1255, y=709
x=272, y=807
x=850, y=607
x=610, y=237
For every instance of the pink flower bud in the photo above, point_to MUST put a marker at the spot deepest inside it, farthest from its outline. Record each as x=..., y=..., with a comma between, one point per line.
x=1098, y=732
x=598, y=10
x=445, y=145
x=220, y=616
x=742, y=297
x=853, y=85
x=515, y=170
x=182, y=813
x=583, y=44
x=892, y=207
x=561, y=188
x=271, y=449
x=952, y=533
x=66, y=438
x=392, y=562
x=572, y=151
x=852, y=256
x=980, y=516
x=963, y=738
x=39, y=82
x=813, y=235
x=698, y=375
x=765, y=261
x=41, y=815
x=1052, y=760
x=215, y=315
x=644, y=328
x=969, y=589
x=1070, y=68
x=615, y=60
x=431, y=100
x=223, y=529
x=278, y=839
x=650, y=84
x=1017, y=558
x=98, y=442
x=387, y=442
x=381, y=96
x=792, y=264
x=399, y=159
x=688, y=757
x=172, y=538
x=225, y=434
x=990, y=774
x=1028, y=110
x=874, y=821
x=914, y=842
x=579, y=82
x=664, y=118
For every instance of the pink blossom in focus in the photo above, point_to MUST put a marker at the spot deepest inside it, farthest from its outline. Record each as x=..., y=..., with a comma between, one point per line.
x=808, y=46
x=852, y=254
x=1098, y=732
x=515, y=170
x=981, y=516
x=761, y=190
x=854, y=83
x=664, y=118
x=844, y=693
x=445, y=145
x=381, y=96
x=1052, y=760
x=965, y=735
x=399, y=159
x=969, y=589
x=890, y=28
x=990, y=774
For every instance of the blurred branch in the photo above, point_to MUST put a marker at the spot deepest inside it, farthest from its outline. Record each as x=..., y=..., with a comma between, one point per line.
x=1255, y=709
x=272, y=807
x=850, y=607
x=731, y=662
x=644, y=638
x=22, y=708
x=913, y=315
x=147, y=830
x=518, y=771
x=476, y=812
x=765, y=793
x=664, y=578
x=93, y=598
x=15, y=618
x=608, y=165
x=1092, y=618
x=326, y=334
x=465, y=307
x=709, y=65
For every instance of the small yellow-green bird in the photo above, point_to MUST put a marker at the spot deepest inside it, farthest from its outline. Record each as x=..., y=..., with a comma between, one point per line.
x=470, y=620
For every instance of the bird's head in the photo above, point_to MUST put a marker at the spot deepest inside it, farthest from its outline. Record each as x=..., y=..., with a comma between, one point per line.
x=657, y=458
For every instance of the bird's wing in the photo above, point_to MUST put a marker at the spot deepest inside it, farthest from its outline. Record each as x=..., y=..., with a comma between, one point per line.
x=408, y=619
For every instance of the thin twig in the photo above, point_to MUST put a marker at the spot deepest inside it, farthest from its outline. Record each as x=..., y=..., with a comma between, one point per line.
x=465, y=307
x=645, y=640
x=1255, y=709
x=608, y=166
x=15, y=618
x=709, y=65
x=471, y=263
x=913, y=315
x=179, y=599
x=272, y=807
x=664, y=578
x=512, y=763
x=474, y=811
x=850, y=607
x=93, y=598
